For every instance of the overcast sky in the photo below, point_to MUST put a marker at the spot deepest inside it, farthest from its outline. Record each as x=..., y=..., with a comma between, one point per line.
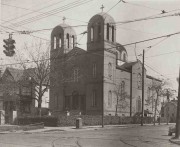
x=163, y=57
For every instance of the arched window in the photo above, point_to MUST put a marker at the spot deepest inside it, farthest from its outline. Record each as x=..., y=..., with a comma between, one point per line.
x=75, y=74
x=112, y=33
x=94, y=70
x=139, y=104
x=110, y=99
x=99, y=31
x=110, y=70
x=92, y=34
x=60, y=41
x=94, y=98
x=139, y=82
x=124, y=57
x=67, y=39
x=107, y=31
x=73, y=41
x=55, y=41
x=123, y=87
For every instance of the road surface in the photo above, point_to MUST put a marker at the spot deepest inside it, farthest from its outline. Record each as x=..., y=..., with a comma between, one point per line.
x=136, y=136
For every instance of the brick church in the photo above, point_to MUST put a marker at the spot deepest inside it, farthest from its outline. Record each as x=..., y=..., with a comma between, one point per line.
x=85, y=80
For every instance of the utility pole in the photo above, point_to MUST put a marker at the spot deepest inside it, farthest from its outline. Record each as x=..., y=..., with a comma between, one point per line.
x=142, y=115
x=178, y=109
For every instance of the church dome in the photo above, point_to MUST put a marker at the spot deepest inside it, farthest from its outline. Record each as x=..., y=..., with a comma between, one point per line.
x=63, y=37
x=64, y=27
x=104, y=16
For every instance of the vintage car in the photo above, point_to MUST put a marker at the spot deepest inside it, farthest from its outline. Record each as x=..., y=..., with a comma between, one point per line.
x=172, y=130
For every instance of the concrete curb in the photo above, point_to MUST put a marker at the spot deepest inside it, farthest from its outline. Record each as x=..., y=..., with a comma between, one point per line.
x=73, y=128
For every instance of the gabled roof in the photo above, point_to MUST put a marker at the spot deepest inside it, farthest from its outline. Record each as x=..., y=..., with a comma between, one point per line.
x=153, y=78
x=128, y=65
x=15, y=73
x=76, y=51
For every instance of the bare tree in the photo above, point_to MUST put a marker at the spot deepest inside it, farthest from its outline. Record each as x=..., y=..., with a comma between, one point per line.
x=36, y=70
x=158, y=90
x=122, y=97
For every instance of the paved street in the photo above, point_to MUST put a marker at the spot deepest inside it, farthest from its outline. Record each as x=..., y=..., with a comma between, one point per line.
x=136, y=136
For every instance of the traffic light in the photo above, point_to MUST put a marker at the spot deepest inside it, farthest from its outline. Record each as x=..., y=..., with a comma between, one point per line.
x=9, y=46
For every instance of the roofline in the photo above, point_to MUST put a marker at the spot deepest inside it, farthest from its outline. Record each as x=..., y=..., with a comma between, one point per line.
x=153, y=78
x=118, y=67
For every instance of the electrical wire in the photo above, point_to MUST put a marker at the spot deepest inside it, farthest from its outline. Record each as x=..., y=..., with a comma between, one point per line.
x=139, y=5
x=32, y=12
x=52, y=12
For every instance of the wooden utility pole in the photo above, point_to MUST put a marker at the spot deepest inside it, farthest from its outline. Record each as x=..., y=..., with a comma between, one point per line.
x=178, y=113
x=142, y=115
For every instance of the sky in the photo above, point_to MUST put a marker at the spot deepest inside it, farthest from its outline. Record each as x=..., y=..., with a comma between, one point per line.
x=162, y=60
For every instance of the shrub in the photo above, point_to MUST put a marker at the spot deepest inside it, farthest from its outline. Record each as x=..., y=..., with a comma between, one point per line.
x=47, y=120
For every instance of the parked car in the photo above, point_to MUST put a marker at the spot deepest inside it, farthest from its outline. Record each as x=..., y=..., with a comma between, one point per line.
x=172, y=130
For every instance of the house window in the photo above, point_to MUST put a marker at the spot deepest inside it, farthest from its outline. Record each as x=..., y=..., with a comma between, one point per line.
x=108, y=31
x=139, y=82
x=110, y=70
x=94, y=70
x=112, y=33
x=94, y=98
x=75, y=74
x=55, y=40
x=92, y=34
x=110, y=99
x=67, y=39
x=60, y=41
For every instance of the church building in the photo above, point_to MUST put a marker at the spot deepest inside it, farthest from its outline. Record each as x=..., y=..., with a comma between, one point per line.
x=97, y=79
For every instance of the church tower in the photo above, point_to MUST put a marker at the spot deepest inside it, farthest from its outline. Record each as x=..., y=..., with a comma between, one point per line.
x=101, y=48
x=63, y=40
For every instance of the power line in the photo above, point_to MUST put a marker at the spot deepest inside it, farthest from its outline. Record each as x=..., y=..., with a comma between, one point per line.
x=52, y=12
x=114, y=6
x=36, y=11
x=146, y=18
x=130, y=3
x=32, y=12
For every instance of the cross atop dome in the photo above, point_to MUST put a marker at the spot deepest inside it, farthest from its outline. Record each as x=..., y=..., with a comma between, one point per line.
x=102, y=7
x=64, y=18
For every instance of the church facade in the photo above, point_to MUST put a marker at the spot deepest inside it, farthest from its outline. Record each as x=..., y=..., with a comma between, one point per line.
x=96, y=79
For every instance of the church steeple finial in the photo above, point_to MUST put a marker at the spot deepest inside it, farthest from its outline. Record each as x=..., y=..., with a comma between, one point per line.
x=64, y=18
x=102, y=7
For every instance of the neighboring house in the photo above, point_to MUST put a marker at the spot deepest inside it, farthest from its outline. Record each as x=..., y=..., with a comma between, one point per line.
x=18, y=92
x=86, y=80
x=170, y=110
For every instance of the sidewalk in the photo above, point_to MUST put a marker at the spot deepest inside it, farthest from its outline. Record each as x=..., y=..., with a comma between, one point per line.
x=16, y=129
x=175, y=141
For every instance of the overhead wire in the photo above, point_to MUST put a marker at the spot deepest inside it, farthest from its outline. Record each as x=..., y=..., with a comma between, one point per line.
x=52, y=12
x=33, y=12
x=130, y=3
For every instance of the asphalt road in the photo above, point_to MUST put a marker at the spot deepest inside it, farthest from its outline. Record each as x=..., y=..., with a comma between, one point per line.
x=146, y=136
